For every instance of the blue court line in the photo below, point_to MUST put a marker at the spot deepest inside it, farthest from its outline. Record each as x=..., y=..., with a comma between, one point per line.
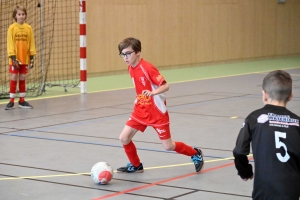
x=71, y=124
x=96, y=143
x=170, y=108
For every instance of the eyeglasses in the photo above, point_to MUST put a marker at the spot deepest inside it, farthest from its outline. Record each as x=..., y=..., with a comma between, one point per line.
x=126, y=55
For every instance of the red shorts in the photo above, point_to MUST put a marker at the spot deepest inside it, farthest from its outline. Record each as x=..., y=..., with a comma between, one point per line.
x=23, y=69
x=163, y=132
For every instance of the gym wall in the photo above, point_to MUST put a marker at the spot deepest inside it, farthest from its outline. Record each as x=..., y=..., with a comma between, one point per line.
x=189, y=32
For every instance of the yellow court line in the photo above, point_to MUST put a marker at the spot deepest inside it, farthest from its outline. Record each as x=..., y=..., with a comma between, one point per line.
x=208, y=161
x=230, y=75
x=37, y=177
x=65, y=95
x=88, y=173
x=177, y=165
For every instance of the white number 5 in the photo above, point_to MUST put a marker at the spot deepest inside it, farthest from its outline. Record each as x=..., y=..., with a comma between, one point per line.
x=279, y=144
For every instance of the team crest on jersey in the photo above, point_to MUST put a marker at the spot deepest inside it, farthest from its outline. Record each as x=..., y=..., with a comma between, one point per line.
x=262, y=118
x=143, y=80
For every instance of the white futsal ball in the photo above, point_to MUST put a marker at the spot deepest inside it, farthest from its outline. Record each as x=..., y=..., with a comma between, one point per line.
x=102, y=173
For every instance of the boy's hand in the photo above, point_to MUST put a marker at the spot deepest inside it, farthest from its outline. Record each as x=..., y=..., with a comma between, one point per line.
x=147, y=93
x=31, y=64
x=16, y=64
x=246, y=179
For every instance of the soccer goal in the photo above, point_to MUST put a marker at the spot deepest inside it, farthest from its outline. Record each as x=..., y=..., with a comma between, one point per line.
x=56, y=29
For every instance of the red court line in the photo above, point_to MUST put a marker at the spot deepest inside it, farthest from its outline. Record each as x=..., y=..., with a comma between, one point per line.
x=163, y=181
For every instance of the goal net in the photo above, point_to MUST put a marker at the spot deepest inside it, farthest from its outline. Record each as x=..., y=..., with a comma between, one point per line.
x=56, y=30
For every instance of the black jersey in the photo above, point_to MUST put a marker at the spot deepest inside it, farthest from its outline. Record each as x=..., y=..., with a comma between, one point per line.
x=274, y=134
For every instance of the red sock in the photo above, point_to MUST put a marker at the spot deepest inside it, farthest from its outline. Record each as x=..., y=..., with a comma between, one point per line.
x=12, y=90
x=184, y=149
x=22, y=87
x=131, y=153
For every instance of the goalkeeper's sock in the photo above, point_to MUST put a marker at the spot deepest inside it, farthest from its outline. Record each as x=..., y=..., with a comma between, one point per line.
x=12, y=90
x=22, y=86
x=22, y=99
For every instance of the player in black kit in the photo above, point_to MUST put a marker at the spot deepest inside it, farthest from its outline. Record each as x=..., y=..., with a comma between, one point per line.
x=274, y=133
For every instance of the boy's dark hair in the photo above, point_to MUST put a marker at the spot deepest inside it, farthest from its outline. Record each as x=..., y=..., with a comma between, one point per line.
x=16, y=10
x=133, y=42
x=278, y=85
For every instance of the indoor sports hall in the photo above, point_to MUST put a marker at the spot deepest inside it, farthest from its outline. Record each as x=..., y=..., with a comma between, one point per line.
x=48, y=152
x=214, y=55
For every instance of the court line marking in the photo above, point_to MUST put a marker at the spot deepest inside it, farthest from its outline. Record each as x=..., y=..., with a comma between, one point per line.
x=88, y=173
x=162, y=181
x=170, y=179
x=24, y=134
x=200, y=79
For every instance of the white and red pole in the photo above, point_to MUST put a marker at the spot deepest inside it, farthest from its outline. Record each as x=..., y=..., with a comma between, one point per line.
x=82, y=28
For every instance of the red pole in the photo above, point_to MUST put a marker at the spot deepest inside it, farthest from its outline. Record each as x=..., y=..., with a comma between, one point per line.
x=82, y=29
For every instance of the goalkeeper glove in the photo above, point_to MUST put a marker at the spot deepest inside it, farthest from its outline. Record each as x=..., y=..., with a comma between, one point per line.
x=31, y=62
x=15, y=62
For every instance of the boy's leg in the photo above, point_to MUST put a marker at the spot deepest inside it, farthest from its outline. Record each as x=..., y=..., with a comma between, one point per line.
x=180, y=147
x=126, y=138
x=22, y=87
x=12, y=89
x=184, y=149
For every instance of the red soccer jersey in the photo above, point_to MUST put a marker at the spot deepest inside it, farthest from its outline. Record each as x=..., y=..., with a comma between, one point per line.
x=151, y=111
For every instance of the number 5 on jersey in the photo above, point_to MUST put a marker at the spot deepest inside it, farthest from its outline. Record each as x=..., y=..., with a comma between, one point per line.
x=279, y=144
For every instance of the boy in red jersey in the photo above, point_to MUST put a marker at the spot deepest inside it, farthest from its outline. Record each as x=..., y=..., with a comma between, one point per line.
x=21, y=50
x=149, y=109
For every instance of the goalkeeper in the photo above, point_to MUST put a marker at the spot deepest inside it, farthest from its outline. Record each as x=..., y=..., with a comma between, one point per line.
x=21, y=51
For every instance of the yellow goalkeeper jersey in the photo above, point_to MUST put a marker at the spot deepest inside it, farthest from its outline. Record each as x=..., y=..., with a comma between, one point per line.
x=20, y=42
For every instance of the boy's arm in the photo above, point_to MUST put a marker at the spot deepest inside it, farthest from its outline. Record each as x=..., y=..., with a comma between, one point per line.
x=242, y=165
x=241, y=151
x=32, y=49
x=10, y=44
x=11, y=51
x=161, y=89
x=32, y=44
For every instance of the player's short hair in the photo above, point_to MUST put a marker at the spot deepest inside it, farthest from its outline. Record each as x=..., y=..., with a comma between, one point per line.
x=16, y=10
x=133, y=42
x=278, y=85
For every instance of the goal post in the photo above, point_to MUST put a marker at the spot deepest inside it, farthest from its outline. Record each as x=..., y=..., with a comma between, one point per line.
x=58, y=60
x=82, y=28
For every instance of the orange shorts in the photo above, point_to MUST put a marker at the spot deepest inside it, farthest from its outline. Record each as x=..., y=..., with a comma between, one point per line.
x=23, y=69
x=163, y=132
